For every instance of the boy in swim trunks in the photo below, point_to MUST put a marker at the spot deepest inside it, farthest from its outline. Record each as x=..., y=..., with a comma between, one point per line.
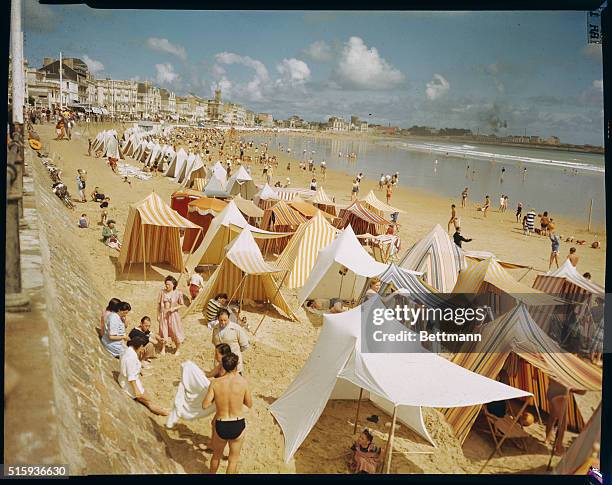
x=229, y=393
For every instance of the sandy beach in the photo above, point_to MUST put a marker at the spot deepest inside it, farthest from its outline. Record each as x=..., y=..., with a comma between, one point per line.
x=280, y=348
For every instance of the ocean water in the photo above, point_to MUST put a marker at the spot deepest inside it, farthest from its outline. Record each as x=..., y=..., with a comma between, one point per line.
x=560, y=182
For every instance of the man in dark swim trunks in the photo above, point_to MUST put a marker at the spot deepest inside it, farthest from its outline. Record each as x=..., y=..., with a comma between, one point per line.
x=229, y=393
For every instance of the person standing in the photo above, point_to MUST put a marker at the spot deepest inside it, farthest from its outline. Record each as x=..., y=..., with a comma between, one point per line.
x=453, y=218
x=227, y=332
x=196, y=282
x=229, y=393
x=382, y=181
x=530, y=220
x=464, y=196
x=519, y=211
x=487, y=205
x=573, y=257
x=80, y=180
x=170, y=324
x=458, y=238
x=389, y=192
x=555, y=245
x=354, y=189
x=313, y=184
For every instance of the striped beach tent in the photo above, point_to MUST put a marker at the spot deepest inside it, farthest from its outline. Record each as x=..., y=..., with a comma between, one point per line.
x=180, y=199
x=437, y=257
x=341, y=270
x=488, y=277
x=198, y=183
x=266, y=197
x=302, y=250
x=515, y=342
x=579, y=456
x=308, y=210
x=473, y=257
x=241, y=183
x=280, y=218
x=566, y=281
x=290, y=193
x=324, y=202
x=243, y=274
x=248, y=209
x=201, y=212
x=222, y=230
x=378, y=206
x=362, y=220
x=152, y=234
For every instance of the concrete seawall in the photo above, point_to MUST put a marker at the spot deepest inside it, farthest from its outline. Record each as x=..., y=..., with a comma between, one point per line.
x=101, y=430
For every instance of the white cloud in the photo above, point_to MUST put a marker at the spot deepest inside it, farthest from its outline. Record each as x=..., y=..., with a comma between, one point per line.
x=293, y=71
x=253, y=89
x=437, y=87
x=94, y=66
x=598, y=85
x=363, y=67
x=164, y=45
x=166, y=74
x=319, y=51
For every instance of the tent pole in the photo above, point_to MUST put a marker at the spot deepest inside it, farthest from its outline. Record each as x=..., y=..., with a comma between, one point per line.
x=190, y=254
x=237, y=288
x=528, y=270
x=389, y=448
x=498, y=447
x=144, y=262
x=358, y=406
x=273, y=298
x=535, y=404
x=241, y=297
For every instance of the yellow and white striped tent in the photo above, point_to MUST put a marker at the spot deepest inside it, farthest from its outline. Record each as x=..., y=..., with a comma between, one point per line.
x=301, y=253
x=378, y=206
x=243, y=274
x=152, y=234
x=324, y=202
x=488, y=276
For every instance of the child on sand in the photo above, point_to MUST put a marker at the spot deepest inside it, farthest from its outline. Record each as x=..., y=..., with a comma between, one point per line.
x=196, y=282
x=389, y=192
x=81, y=175
x=84, y=221
x=366, y=454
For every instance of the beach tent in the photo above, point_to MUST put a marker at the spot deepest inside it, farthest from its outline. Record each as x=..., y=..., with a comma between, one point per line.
x=152, y=234
x=579, y=456
x=473, y=257
x=201, y=212
x=324, y=202
x=222, y=230
x=139, y=150
x=167, y=158
x=248, y=209
x=288, y=194
x=279, y=218
x=384, y=246
x=144, y=154
x=307, y=209
x=378, y=206
x=488, y=277
x=398, y=383
x=153, y=155
x=344, y=255
x=532, y=357
x=302, y=250
x=177, y=163
x=216, y=188
x=266, y=197
x=243, y=274
x=362, y=219
x=567, y=283
x=197, y=170
x=198, y=183
x=437, y=257
x=180, y=175
x=219, y=171
x=180, y=199
x=241, y=183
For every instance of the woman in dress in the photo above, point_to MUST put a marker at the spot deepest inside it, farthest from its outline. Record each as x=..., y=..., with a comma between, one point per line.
x=168, y=305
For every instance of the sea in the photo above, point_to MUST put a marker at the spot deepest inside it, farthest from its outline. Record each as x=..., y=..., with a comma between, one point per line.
x=560, y=182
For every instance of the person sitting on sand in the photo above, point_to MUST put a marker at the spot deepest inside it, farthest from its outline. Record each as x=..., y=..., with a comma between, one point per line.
x=334, y=305
x=129, y=377
x=96, y=195
x=114, y=334
x=110, y=235
x=213, y=306
x=595, y=245
x=111, y=307
x=573, y=257
x=144, y=331
x=84, y=221
x=366, y=455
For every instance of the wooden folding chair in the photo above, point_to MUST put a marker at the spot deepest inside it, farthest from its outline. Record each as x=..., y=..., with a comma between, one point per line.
x=506, y=427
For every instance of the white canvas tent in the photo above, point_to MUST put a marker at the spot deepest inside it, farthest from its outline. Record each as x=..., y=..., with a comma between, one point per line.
x=176, y=164
x=266, y=197
x=325, y=280
x=399, y=383
x=216, y=188
x=219, y=171
x=182, y=172
x=241, y=183
x=196, y=170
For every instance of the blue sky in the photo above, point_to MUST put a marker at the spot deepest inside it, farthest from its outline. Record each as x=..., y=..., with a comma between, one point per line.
x=531, y=70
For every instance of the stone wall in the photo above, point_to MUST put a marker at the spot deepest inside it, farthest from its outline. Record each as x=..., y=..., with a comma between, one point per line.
x=101, y=430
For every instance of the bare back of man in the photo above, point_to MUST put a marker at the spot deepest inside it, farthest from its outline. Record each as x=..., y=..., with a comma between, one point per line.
x=229, y=393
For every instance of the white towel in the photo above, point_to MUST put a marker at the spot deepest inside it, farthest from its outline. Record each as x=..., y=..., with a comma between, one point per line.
x=190, y=394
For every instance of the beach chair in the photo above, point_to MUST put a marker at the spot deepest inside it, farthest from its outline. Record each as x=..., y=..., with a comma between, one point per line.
x=506, y=427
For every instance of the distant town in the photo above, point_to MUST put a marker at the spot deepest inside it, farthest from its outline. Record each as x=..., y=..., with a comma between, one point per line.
x=76, y=88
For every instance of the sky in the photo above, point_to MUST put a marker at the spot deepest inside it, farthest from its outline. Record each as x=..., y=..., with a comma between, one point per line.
x=496, y=72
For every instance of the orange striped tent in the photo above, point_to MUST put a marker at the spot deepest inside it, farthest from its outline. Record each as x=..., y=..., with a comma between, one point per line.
x=324, y=202
x=201, y=212
x=280, y=218
x=308, y=210
x=243, y=274
x=515, y=342
x=302, y=250
x=362, y=220
x=488, y=277
x=180, y=199
x=152, y=234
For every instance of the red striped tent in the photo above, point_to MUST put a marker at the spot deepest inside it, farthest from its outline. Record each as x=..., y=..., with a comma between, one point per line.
x=280, y=218
x=266, y=197
x=180, y=199
x=362, y=220
x=152, y=234
x=530, y=357
x=201, y=212
x=302, y=250
x=243, y=274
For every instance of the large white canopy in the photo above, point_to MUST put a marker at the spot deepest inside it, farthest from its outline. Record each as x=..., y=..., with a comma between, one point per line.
x=337, y=369
x=325, y=280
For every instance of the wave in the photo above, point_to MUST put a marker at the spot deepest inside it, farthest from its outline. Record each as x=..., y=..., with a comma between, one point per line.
x=467, y=150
